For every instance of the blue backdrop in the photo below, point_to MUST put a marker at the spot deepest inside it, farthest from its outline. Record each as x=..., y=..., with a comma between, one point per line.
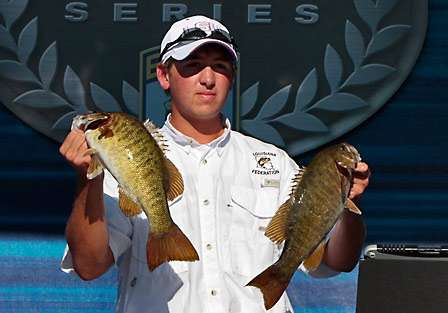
x=405, y=144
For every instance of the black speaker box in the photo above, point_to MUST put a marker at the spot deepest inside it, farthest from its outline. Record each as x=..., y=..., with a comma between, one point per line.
x=390, y=283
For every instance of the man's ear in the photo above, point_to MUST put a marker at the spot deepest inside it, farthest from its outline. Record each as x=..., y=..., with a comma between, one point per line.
x=163, y=76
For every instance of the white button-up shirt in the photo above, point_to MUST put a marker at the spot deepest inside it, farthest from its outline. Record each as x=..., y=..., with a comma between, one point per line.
x=233, y=187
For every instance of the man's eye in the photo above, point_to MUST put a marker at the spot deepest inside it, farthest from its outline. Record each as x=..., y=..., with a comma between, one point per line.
x=223, y=67
x=193, y=64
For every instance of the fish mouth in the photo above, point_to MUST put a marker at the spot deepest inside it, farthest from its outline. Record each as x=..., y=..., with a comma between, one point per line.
x=354, y=154
x=91, y=121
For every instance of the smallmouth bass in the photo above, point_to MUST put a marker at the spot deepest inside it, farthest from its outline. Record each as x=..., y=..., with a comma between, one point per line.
x=318, y=198
x=133, y=154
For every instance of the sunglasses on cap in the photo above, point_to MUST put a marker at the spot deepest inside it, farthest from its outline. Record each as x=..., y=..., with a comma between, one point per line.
x=194, y=34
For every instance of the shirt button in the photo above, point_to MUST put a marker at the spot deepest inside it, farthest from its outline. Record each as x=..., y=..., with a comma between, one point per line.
x=133, y=281
x=208, y=246
x=203, y=162
x=206, y=202
x=214, y=292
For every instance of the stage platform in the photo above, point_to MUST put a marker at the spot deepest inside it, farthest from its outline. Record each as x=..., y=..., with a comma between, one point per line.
x=31, y=281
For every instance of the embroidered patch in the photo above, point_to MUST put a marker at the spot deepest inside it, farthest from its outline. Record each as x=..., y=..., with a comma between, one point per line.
x=264, y=163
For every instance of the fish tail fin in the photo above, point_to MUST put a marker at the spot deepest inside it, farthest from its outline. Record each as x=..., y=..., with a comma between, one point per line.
x=272, y=284
x=169, y=246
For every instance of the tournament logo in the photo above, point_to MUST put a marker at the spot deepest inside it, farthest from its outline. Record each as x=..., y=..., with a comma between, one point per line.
x=309, y=72
x=264, y=163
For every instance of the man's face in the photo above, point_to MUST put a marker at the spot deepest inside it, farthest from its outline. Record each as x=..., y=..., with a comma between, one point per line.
x=199, y=84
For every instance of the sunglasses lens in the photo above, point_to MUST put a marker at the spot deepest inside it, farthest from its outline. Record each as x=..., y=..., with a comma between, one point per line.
x=197, y=33
x=193, y=34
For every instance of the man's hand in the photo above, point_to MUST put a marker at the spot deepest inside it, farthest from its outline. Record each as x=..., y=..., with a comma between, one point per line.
x=73, y=149
x=360, y=181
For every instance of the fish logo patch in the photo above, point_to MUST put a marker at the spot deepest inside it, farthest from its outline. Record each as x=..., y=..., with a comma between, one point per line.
x=264, y=163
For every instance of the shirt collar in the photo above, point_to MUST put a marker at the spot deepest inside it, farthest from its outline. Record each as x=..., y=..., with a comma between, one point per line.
x=188, y=143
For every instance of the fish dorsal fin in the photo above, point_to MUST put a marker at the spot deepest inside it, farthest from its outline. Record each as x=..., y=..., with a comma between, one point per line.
x=173, y=182
x=276, y=230
x=315, y=258
x=296, y=180
x=128, y=206
x=95, y=167
x=352, y=207
x=156, y=134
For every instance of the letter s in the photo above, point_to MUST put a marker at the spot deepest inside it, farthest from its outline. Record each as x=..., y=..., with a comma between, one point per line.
x=78, y=12
x=307, y=14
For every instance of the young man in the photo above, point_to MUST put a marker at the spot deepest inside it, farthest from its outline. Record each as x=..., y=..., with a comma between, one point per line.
x=224, y=209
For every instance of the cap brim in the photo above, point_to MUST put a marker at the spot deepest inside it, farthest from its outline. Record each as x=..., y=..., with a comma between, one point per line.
x=182, y=51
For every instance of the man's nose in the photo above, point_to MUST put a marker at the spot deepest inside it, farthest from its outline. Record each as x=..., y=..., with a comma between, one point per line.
x=207, y=77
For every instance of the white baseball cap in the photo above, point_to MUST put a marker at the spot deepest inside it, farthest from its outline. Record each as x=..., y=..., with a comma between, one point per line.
x=190, y=33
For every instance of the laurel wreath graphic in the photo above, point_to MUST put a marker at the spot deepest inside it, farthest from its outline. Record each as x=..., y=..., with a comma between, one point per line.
x=267, y=115
x=263, y=125
x=42, y=96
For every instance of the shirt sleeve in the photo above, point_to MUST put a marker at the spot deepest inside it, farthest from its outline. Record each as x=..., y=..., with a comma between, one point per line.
x=119, y=226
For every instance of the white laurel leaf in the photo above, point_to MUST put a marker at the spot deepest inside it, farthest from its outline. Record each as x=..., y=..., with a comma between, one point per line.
x=369, y=73
x=263, y=131
x=274, y=104
x=104, y=100
x=65, y=121
x=248, y=99
x=368, y=11
x=13, y=10
x=333, y=68
x=354, y=42
x=387, y=37
x=17, y=71
x=306, y=92
x=6, y=40
x=42, y=99
x=340, y=102
x=48, y=64
x=27, y=41
x=74, y=90
x=303, y=121
x=130, y=97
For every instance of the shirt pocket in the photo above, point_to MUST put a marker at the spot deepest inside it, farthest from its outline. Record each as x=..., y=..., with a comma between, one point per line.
x=252, y=209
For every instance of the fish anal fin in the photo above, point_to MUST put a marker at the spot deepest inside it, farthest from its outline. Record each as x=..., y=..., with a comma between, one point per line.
x=315, y=258
x=172, y=245
x=352, y=207
x=173, y=182
x=272, y=285
x=128, y=206
x=276, y=230
x=95, y=167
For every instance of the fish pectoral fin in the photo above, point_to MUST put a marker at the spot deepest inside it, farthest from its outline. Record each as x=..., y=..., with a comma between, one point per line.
x=128, y=206
x=347, y=163
x=315, y=259
x=173, y=182
x=352, y=207
x=95, y=167
x=276, y=230
x=90, y=151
